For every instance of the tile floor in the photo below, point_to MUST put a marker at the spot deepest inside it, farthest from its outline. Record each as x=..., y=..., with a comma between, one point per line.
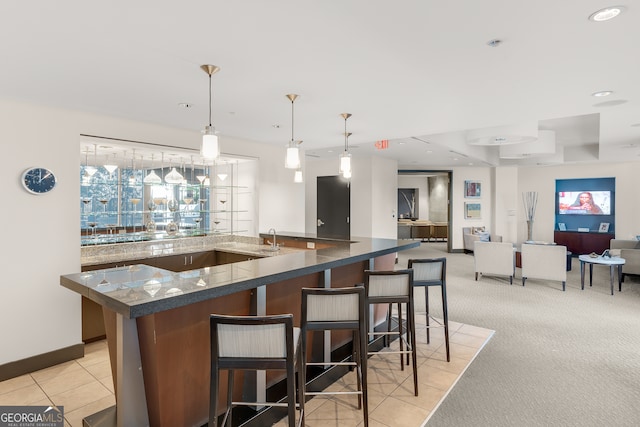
x=84, y=386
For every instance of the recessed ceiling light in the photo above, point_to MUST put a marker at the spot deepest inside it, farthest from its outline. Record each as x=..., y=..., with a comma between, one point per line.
x=494, y=43
x=275, y=126
x=185, y=105
x=602, y=93
x=401, y=143
x=606, y=13
x=329, y=151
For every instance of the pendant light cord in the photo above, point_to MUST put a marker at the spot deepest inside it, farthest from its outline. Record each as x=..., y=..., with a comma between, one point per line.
x=292, y=140
x=346, y=143
x=209, y=99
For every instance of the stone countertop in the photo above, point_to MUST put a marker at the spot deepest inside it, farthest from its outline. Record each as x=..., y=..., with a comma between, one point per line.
x=115, y=253
x=140, y=290
x=305, y=236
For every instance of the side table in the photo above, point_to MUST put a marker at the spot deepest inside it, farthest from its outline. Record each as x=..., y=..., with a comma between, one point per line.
x=611, y=262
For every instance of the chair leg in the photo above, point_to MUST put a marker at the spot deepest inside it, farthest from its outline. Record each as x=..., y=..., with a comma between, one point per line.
x=445, y=319
x=386, y=341
x=426, y=300
x=362, y=350
x=213, y=395
x=291, y=395
x=411, y=331
x=400, y=336
x=355, y=356
x=228, y=414
x=302, y=378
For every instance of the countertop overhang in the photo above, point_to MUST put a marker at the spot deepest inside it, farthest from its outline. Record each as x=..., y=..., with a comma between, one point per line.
x=133, y=291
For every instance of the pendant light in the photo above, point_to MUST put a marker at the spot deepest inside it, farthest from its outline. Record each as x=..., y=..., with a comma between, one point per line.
x=297, y=177
x=173, y=177
x=345, y=157
x=152, y=177
x=112, y=166
x=210, y=148
x=292, y=160
x=89, y=171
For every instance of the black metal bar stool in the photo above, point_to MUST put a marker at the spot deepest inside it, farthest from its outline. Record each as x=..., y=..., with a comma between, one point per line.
x=327, y=309
x=255, y=343
x=431, y=273
x=395, y=287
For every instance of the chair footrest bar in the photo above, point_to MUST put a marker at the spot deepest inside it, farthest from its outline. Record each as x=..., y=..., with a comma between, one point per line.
x=332, y=364
x=320, y=393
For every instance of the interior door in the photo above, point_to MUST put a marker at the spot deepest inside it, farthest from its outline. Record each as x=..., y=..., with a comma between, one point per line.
x=333, y=207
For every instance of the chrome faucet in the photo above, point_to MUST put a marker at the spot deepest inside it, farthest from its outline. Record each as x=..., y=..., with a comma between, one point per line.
x=272, y=231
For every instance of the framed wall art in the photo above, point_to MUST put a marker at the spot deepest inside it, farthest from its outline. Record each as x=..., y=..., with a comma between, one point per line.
x=472, y=210
x=472, y=189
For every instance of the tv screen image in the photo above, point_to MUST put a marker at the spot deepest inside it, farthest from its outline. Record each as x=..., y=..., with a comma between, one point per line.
x=584, y=203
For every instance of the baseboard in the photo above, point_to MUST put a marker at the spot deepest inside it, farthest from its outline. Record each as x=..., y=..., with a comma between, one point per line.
x=40, y=361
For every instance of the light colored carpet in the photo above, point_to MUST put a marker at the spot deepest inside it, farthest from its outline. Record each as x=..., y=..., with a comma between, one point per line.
x=557, y=358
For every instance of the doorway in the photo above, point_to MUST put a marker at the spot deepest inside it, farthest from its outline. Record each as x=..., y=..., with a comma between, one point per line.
x=433, y=194
x=334, y=207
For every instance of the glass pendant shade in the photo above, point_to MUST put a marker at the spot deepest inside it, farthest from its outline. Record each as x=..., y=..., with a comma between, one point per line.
x=297, y=177
x=89, y=171
x=152, y=178
x=222, y=176
x=111, y=168
x=210, y=148
x=201, y=178
x=345, y=163
x=173, y=177
x=206, y=181
x=292, y=160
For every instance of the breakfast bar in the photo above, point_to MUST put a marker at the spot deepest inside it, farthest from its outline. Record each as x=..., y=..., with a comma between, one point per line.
x=157, y=321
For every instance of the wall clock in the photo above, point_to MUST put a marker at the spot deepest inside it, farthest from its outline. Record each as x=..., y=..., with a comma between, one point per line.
x=38, y=180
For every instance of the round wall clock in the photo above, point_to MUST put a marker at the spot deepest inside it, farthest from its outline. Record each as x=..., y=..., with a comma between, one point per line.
x=38, y=180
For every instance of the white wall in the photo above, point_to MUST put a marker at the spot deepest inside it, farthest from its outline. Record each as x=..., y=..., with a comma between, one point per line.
x=41, y=233
x=373, y=195
x=543, y=180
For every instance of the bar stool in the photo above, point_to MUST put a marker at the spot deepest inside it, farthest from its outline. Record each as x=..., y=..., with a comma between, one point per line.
x=430, y=273
x=325, y=309
x=395, y=287
x=255, y=343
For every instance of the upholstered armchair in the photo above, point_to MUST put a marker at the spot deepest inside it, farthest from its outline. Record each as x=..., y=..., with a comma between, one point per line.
x=470, y=235
x=547, y=262
x=629, y=250
x=494, y=258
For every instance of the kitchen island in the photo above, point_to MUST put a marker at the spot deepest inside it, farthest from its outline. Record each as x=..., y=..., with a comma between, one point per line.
x=157, y=321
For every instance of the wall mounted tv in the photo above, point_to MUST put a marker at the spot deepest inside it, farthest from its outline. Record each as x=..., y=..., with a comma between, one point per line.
x=584, y=202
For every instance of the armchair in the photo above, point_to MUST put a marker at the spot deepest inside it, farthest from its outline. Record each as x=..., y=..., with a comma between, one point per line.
x=629, y=250
x=494, y=258
x=470, y=235
x=548, y=262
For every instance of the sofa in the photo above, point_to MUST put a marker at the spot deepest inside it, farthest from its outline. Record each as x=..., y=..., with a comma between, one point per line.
x=629, y=250
x=470, y=235
x=547, y=262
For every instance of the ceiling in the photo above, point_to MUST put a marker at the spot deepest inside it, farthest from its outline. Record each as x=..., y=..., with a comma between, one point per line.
x=418, y=73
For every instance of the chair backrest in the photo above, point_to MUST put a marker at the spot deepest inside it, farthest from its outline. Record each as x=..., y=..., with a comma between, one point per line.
x=547, y=262
x=428, y=272
x=333, y=304
x=381, y=284
x=494, y=258
x=251, y=336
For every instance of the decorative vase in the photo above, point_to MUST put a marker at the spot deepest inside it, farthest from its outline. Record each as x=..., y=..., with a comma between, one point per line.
x=530, y=229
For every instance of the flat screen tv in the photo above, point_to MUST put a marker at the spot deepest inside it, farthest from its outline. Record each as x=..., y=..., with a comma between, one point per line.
x=584, y=202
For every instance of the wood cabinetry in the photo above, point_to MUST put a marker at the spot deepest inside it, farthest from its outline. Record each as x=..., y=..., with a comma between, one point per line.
x=231, y=257
x=583, y=243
